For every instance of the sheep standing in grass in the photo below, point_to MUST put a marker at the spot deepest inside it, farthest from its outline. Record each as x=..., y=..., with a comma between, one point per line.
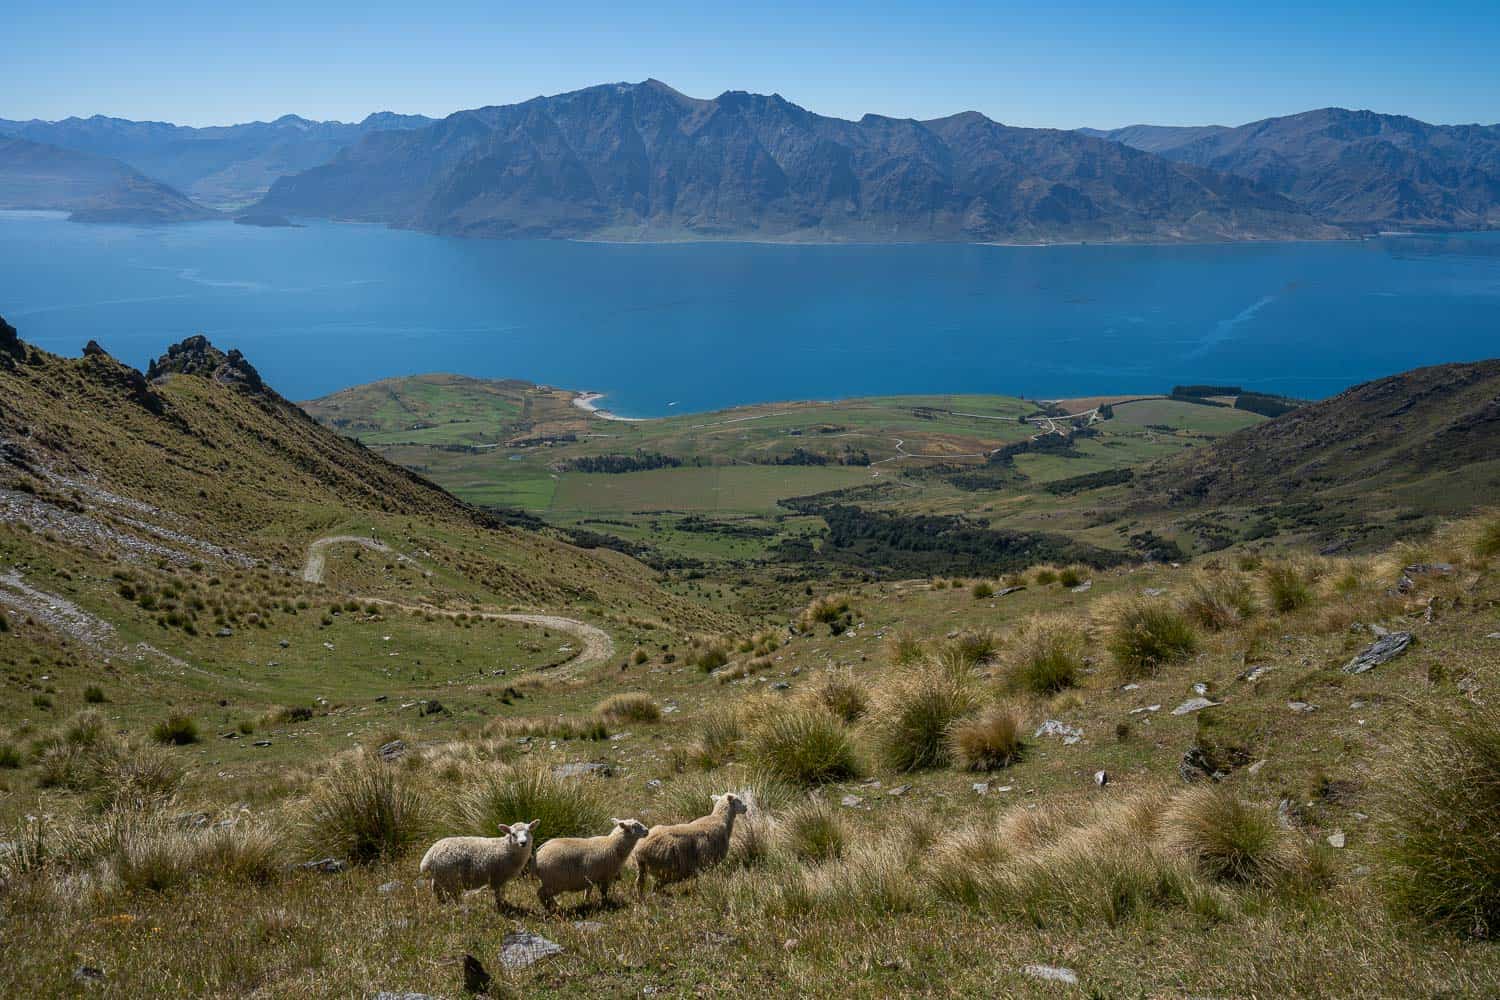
x=580, y=864
x=457, y=864
x=680, y=851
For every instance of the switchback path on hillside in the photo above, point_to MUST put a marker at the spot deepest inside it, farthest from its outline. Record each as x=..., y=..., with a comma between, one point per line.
x=596, y=645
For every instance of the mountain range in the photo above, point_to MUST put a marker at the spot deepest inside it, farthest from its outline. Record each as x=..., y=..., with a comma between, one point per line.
x=35, y=175
x=222, y=167
x=1355, y=169
x=642, y=161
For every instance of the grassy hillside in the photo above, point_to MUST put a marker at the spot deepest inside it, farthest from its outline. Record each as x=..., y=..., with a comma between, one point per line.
x=233, y=643
x=712, y=490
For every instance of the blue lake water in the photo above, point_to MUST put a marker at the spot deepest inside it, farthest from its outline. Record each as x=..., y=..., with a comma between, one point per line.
x=710, y=325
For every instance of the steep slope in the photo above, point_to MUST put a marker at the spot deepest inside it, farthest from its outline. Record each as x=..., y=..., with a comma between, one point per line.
x=641, y=160
x=1361, y=465
x=223, y=166
x=199, y=460
x=1354, y=168
x=35, y=175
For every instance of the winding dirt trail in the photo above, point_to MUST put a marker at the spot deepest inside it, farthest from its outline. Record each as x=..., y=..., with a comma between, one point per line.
x=595, y=645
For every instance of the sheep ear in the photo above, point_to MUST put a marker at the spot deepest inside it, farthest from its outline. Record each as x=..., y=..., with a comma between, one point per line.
x=533, y=824
x=617, y=821
x=716, y=798
x=504, y=829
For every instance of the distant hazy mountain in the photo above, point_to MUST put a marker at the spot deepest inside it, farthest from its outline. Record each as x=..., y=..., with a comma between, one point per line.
x=1155, y=138
x=638, y=161
x=1356, y=169
x=93, y=188
x=223, y=166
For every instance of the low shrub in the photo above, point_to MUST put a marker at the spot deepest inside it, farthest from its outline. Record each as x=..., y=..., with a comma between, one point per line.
x=1440, y=823
x=982, y=590
x=1048, y=656
x=989, y=740
x=802, y=745
x=176, y=729
x=365, y=811
x=630, y=706
x=1146, y=635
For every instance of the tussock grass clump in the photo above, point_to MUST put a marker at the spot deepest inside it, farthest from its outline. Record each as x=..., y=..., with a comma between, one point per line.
x=1146, y=635
x=970, y=648
x=629, y=706
x=741, y=669
x=1440, y=823
x=1229, y=839
x=1045, y=576
x=721, y=732
x=709, y=655
x=834, y=610
x=803, y=745
x=567, y=807
x=1071, y=576
x=842, y=695
x=176, y=729
x=1288, y=586
x=762, y=643
x=1219, y=600
x=913, y=712
x=814, y=831
x=982, y=590
x=365, y=811
x=1486, y=543
x=93, y=694
x=562, y=727
x=987, y=741
x=1048, y=657
x=133, y=778
x=905, y=648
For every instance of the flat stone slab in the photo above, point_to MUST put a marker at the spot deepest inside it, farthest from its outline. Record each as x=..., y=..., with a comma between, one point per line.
x=522, y=948
x=1051, y=973
x=1194, y=705
x=1382, y=650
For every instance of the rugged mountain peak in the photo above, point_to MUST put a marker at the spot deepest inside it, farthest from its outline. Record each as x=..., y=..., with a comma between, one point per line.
x=196, y=356
x=105, y=369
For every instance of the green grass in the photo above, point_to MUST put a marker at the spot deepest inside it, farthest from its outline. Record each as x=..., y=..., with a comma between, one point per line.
x=802, y=745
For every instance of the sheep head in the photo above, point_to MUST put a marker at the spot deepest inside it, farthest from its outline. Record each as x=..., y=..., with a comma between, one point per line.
x=519, y=834
x=633, y=829
x=732, y=802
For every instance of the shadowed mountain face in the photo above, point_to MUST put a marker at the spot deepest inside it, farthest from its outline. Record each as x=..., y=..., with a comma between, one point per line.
x=643, y=161
x=222, y=166
x=94, y=188
x=1358, y=169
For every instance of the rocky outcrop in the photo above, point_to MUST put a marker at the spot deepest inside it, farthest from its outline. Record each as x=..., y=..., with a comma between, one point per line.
x=11, y=348
x=105, y=370
x=196, y=356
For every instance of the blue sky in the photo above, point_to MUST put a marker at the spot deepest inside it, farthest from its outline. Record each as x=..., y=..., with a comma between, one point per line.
x=1062, y=65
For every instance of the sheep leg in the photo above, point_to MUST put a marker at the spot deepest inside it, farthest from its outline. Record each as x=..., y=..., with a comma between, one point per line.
x=640, y=882
x=545, y=898
x=604, y=893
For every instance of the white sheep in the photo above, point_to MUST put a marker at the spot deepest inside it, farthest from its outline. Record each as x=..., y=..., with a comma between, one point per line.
x=580, y=864
x=680, y=851
x=457, y=864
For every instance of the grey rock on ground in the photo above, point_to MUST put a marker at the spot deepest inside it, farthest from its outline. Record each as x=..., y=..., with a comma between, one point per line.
x=1194, y=705
x=522, y=948
x=1382, y=650
x=1052, y=973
